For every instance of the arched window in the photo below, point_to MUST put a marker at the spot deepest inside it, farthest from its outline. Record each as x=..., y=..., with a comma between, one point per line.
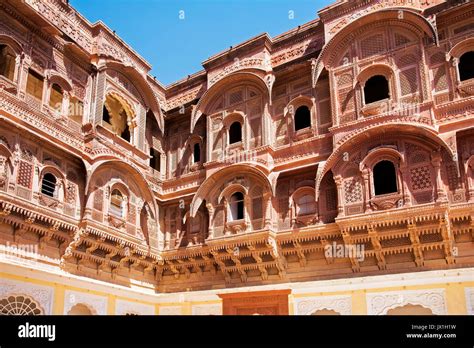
x=117, y=204
x=385, y=178
x=306, y=205
x=7, y=62
x=375, y=89
x=117, y=115
x=235, y=133
x=155, y=160
x=237, y=206
x=196, y=224
x=302, y=118
x=196, y=153
x=48, y=185
x=34, y=85
x=56, y=97
x=80, y=309
x=466, y=66
x=19, y=305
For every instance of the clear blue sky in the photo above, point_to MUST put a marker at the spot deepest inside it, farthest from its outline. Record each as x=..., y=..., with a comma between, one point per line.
x=176, y=47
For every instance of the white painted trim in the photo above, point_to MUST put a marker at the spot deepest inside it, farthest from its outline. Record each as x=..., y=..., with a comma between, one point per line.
x=380, y=303
x=469, y=300
x=308, y=305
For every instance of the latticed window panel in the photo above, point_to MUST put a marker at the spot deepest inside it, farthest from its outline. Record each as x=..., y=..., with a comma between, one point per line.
x=452, y=173
x=344, y=80
x=132, y=214
x=257, y=208
x=71, y=193
x=421, y=178
x=325, y=112
x=418, y=157
x=438, y=58
x=401, y=39
x=25, y=173
x=352, y=190
x=219, y=217
x=409, y=81
x=236, y=97
x=346, y=100
x=331, y=199
x=372, y=45
x=255, y=128
x=406, y=60
x=440, y=78
x=99, y=200
x=19, y=305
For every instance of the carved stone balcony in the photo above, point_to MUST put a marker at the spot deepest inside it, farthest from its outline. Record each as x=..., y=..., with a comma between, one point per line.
x=387, y=201
x=8, y=85
x=236, y=227
x=466, y=88
x=376, y=108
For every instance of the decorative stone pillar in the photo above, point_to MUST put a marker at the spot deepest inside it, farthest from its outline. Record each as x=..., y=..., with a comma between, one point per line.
x=210, y=210
x=23, y=76
x=404, y=175
x=225, y=133
x=267, y=197
x=470, y=179
x=167, y=229
x=436, y=162
x=340, y=193
x=247, y=204
x=314, y=117
x=65, y=105
x=367, y=195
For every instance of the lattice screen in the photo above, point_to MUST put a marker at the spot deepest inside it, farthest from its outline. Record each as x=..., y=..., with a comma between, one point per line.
x=421, y=178
x=331, y=199
x=25, y=174
x=372, y=45
x=440, y=79
x=408, y=81
x=401, y=39
x=352, y=190
x=99, y=199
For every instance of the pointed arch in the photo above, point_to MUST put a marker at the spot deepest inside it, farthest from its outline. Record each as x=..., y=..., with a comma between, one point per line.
x=228, y=81
x=347, y=143
x=216, y=179
x=142, y=85
x=410, y=16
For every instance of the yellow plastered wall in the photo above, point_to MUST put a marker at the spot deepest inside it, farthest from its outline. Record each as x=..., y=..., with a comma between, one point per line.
x=454, y=295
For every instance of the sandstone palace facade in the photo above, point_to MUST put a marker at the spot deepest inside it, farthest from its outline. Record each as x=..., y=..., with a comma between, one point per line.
x=327, y=170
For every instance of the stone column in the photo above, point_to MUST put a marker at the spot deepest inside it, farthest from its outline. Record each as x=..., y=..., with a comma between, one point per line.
x=367, y=195
x=470, y=180
x=267, y=197
x=436, y=162
x=404, y=175
x=340, y=193
x=210, y=210
x=167, y=229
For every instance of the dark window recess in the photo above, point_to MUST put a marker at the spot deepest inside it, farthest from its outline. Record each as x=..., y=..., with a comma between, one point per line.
x=385, y=178
x=375, y=89
x=126, y=134
x=235, y=133
x=302, y=118
x=466, y=66
x=48, y=185
x=105, y=115
x=237, y=206
x=155, y=162
x=196, y=153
